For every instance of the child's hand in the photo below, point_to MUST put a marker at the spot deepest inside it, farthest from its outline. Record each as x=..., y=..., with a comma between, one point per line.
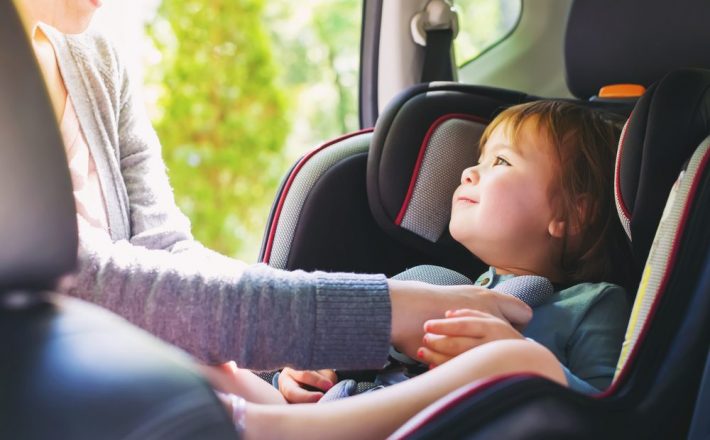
x=293, y=383
x=461, y=331
x=228, y=378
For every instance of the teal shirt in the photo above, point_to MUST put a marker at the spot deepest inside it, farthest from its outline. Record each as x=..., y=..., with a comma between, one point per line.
x=583, y=325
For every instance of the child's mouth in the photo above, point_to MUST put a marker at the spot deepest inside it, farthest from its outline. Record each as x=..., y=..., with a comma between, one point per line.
x=466, y=200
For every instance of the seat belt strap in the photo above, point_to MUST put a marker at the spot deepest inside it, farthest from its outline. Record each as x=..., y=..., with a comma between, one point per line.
x=438, y=56
x=435, y=28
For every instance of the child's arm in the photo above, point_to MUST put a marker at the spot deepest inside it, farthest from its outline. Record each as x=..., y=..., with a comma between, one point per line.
x=460, y=331
x=301, y=386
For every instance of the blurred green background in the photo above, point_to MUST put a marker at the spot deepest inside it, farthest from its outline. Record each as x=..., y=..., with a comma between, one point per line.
x=244, y=87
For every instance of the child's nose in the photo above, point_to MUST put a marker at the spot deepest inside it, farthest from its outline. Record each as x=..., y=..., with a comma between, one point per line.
x=469, y=175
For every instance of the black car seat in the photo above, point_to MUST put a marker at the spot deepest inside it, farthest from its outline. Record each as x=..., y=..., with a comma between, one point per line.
x=666, y=144
x=68, y=369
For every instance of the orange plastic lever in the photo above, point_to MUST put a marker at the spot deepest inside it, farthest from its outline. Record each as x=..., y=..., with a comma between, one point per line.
x=621, y=91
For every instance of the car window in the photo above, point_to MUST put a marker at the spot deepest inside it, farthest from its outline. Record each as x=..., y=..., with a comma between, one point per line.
x=237, y=91
x=482, y=24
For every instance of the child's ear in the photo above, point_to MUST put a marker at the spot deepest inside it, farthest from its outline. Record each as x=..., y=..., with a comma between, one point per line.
x=559, y=226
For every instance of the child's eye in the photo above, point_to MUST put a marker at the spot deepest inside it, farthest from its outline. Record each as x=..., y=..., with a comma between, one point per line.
x=500, y=160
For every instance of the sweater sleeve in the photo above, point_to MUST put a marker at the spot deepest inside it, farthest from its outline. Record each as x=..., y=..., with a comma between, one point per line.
x=155, y=221
x=264, y=318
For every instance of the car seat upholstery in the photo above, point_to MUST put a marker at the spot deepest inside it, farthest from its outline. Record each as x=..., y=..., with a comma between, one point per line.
x=68, y=369
x=667, y=341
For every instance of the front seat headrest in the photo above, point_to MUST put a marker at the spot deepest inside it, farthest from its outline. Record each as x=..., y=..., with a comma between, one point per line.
x=37, y=217
x=612, y=42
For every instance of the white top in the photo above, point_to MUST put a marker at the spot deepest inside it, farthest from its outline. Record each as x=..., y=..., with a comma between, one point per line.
x=90, y=203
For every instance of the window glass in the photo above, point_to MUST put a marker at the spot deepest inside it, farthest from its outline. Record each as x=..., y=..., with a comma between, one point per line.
x=238, y=90
x=482, y=24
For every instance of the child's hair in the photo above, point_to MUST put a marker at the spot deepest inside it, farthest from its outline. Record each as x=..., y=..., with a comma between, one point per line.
x=585, y=143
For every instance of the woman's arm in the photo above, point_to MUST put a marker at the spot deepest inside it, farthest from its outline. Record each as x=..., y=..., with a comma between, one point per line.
x=261, y=318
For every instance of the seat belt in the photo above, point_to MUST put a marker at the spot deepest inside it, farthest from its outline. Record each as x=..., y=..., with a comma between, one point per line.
x=435, y=28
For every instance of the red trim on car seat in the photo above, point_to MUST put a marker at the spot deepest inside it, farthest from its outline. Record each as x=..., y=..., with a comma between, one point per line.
x=666, y=276
x=422, y=151
x=287, y=186
x=451, y=400
x=617, y=173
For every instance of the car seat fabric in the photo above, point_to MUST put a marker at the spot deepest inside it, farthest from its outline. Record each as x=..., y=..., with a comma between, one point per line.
x=633, y=41
x=651, y=152
x=653, y=147
x=669, y=332
x=437, y=173
x=661, y=257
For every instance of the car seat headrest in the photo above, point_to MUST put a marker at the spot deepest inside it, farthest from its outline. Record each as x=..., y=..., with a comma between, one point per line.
x=421, y=144
x=37, y=217
x=659, y=137
x=637, y=42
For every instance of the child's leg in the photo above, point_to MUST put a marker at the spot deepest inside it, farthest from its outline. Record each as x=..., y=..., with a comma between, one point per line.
x=230, y=379
x=376, y=415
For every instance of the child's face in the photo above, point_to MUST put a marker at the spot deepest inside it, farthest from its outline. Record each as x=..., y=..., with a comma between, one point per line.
x=502, y=211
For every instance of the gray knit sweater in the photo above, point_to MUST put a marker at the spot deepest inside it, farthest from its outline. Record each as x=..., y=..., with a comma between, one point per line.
x=156, y=275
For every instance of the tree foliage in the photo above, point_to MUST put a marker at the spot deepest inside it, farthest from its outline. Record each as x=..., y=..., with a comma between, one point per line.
x=223, y=120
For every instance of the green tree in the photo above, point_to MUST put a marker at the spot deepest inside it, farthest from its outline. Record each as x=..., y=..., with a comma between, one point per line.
x=318, y=44
x=223, y=121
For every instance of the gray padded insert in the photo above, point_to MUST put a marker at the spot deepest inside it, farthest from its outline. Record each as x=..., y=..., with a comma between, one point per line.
x=452, y=147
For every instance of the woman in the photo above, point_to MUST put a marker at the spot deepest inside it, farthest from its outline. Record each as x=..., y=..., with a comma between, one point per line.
x=139, y=259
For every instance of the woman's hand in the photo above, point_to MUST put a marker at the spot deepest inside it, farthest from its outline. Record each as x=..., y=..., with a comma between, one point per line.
x=414, y=302
x=293, y=383
x=461, y=331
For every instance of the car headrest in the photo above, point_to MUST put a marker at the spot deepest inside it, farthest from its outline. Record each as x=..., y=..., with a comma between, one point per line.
x=660, y=136
x=38, y=233
x=611, y=42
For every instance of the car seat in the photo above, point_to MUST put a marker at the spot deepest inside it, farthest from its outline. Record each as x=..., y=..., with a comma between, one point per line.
x=662, y=361
x=640, y=42
x=69, y=369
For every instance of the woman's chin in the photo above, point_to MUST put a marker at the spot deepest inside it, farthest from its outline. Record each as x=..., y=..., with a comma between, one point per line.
x=75, y=27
